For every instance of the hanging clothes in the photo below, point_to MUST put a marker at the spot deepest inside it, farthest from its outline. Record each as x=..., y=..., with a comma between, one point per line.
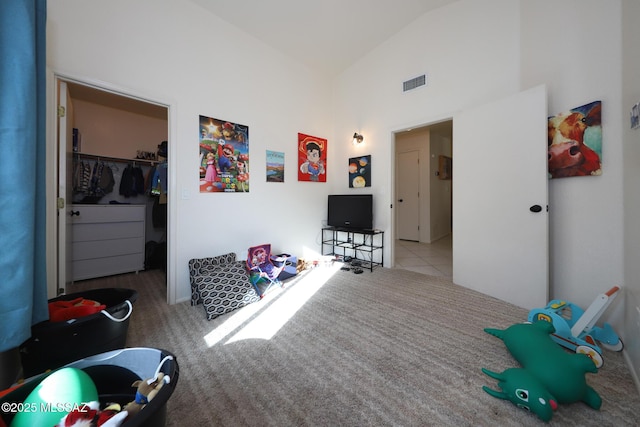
x=94, y=182
x=106, y=181
x=126, y=182
x=132, y=181
x=81, y=177
x=138, y=180
x=159, y=180
x=148, y=180
x=157, y=188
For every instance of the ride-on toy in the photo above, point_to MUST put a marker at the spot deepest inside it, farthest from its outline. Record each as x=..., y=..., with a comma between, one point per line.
x=575, y=328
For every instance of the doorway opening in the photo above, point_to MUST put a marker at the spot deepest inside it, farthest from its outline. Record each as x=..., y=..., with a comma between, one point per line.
x=127, y=136
x=423, y=185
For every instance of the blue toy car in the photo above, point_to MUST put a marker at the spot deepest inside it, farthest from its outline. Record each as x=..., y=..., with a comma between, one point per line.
x=575, y=328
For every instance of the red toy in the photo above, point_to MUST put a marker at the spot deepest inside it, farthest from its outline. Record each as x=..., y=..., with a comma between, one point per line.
x=90, y=415
x=60, y=311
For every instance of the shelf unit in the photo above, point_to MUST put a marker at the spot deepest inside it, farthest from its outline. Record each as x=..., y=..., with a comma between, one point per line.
x=366, y=246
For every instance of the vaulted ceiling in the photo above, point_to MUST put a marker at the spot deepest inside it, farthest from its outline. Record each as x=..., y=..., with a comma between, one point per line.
x=328, y=35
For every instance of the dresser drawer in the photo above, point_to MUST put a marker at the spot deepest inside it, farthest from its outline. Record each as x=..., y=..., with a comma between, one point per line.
x=108, y=213
x=107, y=239
x=107, y=248
x=99, y=267
x=106, y=231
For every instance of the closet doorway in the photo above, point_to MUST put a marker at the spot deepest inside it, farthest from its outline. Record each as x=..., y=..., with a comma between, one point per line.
x=113, y=150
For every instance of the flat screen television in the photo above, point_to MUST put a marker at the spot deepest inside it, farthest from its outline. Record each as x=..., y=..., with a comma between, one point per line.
x=350, y=211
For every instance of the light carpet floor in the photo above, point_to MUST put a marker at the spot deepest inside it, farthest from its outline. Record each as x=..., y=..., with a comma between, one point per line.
x=388, y=348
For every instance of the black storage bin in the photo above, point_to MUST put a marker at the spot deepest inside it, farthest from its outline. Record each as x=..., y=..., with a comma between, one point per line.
x=113, y=373
x=54, y=344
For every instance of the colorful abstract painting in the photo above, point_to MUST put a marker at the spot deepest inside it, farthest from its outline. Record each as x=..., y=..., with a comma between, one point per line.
x=575, y=142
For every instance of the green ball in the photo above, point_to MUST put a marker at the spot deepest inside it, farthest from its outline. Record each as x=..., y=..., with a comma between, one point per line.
x=57, y=395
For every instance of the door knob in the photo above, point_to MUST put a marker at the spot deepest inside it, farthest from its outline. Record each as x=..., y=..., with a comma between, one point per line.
x=400, y=200
x=536, y=208
x=75, y=213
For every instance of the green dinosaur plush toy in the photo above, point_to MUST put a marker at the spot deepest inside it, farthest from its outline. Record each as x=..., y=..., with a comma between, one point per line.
x=549, y=374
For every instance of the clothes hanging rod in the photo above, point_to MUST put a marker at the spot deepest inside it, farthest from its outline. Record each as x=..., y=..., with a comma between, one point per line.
x=116, y=159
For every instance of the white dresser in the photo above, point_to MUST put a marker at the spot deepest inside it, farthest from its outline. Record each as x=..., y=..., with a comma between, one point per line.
x=107, y=239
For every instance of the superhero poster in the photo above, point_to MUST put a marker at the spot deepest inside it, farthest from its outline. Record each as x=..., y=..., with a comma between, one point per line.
x=312, y=158
x=224, y=156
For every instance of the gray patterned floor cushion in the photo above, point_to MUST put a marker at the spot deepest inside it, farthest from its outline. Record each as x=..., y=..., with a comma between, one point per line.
x=200, y=267
x=221, y=284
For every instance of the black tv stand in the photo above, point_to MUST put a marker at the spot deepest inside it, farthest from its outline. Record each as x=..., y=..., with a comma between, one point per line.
x=365, y=246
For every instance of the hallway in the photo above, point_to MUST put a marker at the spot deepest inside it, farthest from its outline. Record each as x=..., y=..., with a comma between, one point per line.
x=435, y=259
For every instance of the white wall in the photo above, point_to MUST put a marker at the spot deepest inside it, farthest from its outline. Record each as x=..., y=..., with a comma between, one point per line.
x=631, y=190
x=467, y=60
x=475, y=52
x=176, y=53
x=586, y=229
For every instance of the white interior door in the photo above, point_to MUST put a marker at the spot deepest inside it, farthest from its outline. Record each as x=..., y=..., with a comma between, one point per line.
x=500, y=244
x=65, y=162
x=407, y=191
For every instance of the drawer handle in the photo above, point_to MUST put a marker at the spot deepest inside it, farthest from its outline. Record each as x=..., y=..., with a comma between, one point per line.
x=75, y=213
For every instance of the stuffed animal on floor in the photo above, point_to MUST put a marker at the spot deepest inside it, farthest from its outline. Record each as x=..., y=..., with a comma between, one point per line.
x=90, y=415
x=147, y=390
x=60, y=311
x=549, y=374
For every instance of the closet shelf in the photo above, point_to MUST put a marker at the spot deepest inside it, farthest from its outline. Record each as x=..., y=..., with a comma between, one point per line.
x=115, y=159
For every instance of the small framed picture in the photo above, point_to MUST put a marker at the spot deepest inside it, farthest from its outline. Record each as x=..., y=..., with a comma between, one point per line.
x=360, y=171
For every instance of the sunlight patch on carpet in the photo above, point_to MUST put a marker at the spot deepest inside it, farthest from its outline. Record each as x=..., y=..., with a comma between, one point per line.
x=232, y=323
x=277, y=307
x=276, y=315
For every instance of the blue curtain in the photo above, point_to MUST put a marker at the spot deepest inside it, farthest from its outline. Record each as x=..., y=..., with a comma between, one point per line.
x=23, y=288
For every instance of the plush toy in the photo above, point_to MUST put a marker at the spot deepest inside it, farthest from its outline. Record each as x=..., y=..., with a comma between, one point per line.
x=549, y=374
x=60, y=311
x=90, y=415
x=147, y=390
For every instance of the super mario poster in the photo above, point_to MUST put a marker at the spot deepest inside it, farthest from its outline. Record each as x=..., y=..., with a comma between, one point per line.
x=312, y=158
x=224, y=156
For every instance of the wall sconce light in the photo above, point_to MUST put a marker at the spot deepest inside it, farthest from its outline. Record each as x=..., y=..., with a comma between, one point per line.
x=357, y=138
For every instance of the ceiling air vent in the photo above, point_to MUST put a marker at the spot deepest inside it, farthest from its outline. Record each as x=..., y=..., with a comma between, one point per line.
x=414, y=83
